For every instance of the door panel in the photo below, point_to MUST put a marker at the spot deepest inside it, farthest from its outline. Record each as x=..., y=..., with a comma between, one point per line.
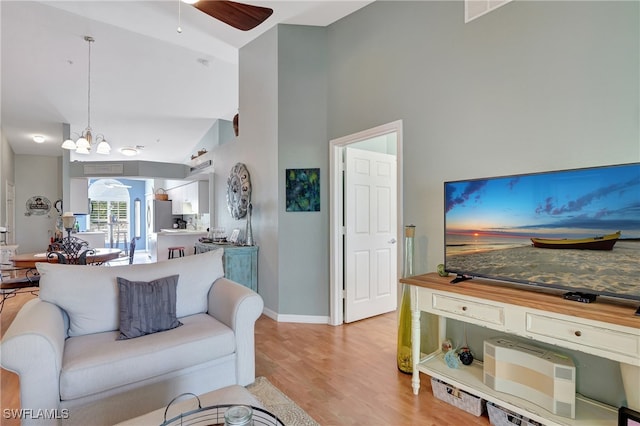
x=370, y=234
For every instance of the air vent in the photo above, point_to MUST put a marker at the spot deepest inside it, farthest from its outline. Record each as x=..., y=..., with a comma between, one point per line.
x=201, y=166
x=103, y=169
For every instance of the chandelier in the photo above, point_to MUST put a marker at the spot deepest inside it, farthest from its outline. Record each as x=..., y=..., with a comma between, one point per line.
x=85, y=141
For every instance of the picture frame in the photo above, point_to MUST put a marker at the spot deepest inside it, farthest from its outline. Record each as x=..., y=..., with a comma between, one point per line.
x=302, y=188
x=628, y=417
x=233, y=238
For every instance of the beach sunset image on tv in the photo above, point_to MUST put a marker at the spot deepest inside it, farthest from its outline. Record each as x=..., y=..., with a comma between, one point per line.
x=575, y=229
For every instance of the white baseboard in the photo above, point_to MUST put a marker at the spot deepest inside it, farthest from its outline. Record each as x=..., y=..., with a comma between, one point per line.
x=303, y=319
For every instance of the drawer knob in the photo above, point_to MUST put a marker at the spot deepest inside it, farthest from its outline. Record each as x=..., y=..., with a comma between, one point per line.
x=578, y=333
x=464, y=308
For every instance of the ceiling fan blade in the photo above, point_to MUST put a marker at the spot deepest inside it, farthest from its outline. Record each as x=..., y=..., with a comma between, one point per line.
x=239, y=15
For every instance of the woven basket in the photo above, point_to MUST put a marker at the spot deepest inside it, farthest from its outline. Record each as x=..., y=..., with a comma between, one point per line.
x=162, y=196
x=458, y=398
x=499, y=416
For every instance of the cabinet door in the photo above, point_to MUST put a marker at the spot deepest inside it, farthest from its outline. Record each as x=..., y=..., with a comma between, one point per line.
x=203, y=197
x=78, y=196
x=190, y=198
x=175, y=195
x=241, y=266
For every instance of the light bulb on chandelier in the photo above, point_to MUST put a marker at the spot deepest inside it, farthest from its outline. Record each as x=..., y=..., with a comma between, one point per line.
x=85, y=141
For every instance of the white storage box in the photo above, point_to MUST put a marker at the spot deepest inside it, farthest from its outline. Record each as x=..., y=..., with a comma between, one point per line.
x=541, y=376
x=500, y=416
x=458, y=398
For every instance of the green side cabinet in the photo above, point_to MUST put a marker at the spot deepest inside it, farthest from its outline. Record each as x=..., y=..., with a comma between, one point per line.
x=240, y=262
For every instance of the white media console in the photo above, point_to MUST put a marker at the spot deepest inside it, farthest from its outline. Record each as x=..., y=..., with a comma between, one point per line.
x=605, y=329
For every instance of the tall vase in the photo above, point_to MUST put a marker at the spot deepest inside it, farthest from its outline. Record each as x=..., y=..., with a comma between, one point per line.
x=405, y=360
x=249, y=231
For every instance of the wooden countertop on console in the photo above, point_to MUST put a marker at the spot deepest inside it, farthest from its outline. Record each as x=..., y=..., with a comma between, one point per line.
x=614, y=311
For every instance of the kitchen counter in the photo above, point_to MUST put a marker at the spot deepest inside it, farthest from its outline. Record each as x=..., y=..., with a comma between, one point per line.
x=176, y=237
x=175, y=232
x=95, y=239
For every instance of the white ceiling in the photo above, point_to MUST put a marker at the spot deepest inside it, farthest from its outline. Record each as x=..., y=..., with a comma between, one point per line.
x=150, y=85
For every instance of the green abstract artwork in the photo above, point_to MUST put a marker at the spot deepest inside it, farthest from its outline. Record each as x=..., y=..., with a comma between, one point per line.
x=303, y=190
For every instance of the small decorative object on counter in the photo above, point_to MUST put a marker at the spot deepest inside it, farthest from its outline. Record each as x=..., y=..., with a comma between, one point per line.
x=249, y=231
x=451, y=359
x=219, y=235
x=446, y=345
x=235, y=234
x=441, y=271
x=465, y=355
x=405, y=359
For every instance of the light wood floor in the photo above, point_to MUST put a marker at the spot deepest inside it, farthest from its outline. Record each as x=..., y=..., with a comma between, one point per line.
x=340, y=375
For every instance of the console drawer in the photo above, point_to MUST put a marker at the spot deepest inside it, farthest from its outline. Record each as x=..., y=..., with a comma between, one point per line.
x=596, y=337
x=478, y=311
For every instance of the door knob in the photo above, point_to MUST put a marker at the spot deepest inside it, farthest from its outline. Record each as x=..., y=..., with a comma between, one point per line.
x=392, y=241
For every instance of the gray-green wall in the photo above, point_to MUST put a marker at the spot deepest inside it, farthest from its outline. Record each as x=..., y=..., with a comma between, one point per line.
x=283, y=124
x=257, y=147
x=302, y=143
x=532, y=86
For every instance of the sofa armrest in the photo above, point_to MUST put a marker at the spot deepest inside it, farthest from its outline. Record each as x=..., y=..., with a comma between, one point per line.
x=238, y=307
x=32, y=347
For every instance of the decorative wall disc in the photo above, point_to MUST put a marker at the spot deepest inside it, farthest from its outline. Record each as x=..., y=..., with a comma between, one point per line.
x=238, y=191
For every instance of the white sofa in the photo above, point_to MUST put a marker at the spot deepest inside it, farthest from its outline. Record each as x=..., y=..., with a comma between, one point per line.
x=73, y=369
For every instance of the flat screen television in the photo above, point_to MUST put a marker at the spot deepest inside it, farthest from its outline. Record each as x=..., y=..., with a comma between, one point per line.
x=576, y=230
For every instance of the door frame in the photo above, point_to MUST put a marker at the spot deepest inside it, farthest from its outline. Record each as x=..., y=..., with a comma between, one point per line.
x=336, y=232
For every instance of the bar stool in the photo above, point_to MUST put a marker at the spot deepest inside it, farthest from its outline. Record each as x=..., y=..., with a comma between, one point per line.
x=180, y=250
x=122, y=231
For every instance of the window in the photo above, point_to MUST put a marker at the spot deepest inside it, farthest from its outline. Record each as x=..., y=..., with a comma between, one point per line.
x=104, y=211
x=109, y=203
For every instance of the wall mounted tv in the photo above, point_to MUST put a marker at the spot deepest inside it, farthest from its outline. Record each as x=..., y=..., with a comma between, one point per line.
x=575, y=230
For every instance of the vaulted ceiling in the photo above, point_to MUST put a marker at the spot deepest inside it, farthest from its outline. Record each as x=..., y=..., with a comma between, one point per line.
x=150, y=85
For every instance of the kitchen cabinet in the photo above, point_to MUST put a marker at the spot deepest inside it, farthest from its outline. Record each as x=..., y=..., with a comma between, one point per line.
x=240, y=263
x=607, y=330
x=192, y=198
x=78, y=196
x=95, y=239
x=175, y=196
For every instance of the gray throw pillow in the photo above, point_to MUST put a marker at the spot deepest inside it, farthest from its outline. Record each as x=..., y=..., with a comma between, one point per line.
x=147, y=307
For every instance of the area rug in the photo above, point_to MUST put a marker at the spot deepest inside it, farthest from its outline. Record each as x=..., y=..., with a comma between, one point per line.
x=279, y=404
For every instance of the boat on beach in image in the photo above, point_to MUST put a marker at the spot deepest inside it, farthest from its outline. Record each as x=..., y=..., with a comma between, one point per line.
x=605, y=242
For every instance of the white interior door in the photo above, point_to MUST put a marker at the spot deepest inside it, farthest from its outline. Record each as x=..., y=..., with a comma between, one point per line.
x=370, y=234
x=10, y=213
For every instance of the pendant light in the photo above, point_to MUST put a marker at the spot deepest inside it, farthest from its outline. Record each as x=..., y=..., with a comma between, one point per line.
x=85, y=141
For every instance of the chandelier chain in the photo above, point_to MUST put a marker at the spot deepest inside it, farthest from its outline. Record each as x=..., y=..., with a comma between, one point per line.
x=89, y=40
x=85, y=141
